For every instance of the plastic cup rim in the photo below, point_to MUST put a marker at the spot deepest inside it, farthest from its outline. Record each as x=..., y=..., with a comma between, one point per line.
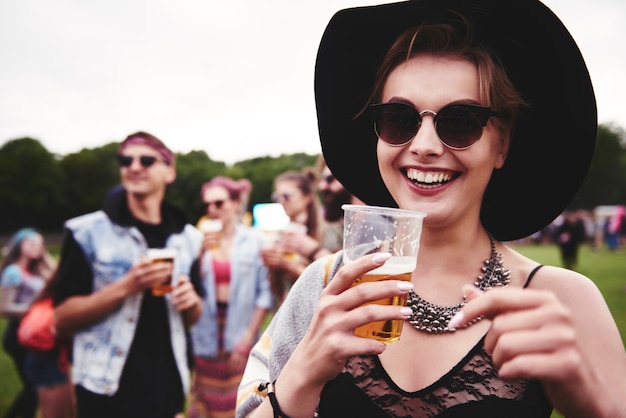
x=383, y=210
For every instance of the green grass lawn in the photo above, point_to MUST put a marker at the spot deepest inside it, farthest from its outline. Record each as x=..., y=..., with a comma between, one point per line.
x=607, y=270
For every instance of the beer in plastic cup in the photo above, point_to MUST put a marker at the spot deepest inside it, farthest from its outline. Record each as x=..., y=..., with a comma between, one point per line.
x=298, y=228
x=373, y=229
x=162, y=255
x=213, y=226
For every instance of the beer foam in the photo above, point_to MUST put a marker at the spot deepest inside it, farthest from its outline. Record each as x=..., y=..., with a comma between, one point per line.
x=158, y=253
x=210, y=225
x=396, y=265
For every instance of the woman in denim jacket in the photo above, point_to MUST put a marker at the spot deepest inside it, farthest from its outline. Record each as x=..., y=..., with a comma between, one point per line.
x=237, y=300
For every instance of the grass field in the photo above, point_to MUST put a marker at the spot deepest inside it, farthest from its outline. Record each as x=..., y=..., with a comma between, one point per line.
x=608, y=270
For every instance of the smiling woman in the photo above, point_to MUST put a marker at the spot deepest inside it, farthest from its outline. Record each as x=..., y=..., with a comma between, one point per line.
x=443, y=106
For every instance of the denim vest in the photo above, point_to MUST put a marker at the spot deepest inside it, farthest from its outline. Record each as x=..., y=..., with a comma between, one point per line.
x=249, y=290
x=100, y=351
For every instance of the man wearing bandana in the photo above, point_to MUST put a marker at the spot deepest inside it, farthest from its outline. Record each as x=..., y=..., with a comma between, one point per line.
x=131, y=348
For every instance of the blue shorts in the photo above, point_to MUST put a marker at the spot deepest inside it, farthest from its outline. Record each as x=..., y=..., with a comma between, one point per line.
x=43, y=369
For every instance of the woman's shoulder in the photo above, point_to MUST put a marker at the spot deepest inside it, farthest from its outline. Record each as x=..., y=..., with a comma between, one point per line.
x=313, y=280
x=563, y=281
x=568, y=285
x=11, y=276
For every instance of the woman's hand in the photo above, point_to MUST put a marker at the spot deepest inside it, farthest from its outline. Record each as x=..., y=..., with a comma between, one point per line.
x=239, y=356
x=534, y=335
x=299, y=242
x=330, y=339
x=272, y=257
x=49, y=266
x=211, y=240
x=531, y=334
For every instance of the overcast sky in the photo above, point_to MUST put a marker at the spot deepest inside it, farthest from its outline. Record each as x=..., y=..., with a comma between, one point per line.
x=233, y=78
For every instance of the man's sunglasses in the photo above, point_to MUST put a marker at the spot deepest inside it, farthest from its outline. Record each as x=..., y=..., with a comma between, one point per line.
x=145, y=160
x=217, y=203
x=329, y=178
x=458, y=126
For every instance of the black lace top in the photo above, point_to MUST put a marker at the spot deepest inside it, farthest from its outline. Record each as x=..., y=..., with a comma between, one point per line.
x=471, y=389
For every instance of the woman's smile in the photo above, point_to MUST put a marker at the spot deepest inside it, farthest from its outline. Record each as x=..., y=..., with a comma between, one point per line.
x=429, y=179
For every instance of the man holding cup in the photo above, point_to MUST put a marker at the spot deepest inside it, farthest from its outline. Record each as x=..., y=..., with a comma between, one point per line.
x=130, y=353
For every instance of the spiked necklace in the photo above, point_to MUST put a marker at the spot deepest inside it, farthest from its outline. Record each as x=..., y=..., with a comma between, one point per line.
x=433, y=319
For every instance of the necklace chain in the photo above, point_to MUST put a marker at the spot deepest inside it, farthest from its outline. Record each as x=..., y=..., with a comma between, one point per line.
x=433, y=319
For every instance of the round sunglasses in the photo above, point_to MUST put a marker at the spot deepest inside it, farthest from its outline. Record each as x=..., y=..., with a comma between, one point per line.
x=458, y=126
x=282, y=197
x=145, y=160
x=217, y=203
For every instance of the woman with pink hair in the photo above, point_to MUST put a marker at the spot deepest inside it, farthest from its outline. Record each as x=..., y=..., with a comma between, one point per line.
x=237, y=299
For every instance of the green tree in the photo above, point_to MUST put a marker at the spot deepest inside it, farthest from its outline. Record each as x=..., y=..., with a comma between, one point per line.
x=31, y=187
x=196, y=167
x=41, y=190
x=262, y=171
x=605, y=183
x=88, y=176
x=192, y=171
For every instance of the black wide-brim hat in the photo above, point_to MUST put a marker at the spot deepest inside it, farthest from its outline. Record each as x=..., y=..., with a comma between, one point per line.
x=551, y=147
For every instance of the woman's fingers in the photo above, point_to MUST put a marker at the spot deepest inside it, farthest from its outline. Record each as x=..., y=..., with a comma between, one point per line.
x=495, y=302
x=349, y=272
x=531, y=334
x=345, y=293
x=342, y=307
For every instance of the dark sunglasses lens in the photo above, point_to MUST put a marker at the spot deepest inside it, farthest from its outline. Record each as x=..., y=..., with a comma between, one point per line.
x=396, y=123
x=124, y=160
x=459, y=126
x=217, y=203
x=278, y=197
x=146, y=160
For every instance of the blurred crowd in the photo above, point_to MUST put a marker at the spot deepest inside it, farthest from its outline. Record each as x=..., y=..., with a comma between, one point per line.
x=604, y=227
x=122, y=347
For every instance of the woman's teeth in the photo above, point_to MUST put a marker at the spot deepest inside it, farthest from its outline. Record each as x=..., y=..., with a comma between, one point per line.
x=428, y=178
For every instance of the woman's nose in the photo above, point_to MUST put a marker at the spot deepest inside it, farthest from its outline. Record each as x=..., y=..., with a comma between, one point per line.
x=426, y=141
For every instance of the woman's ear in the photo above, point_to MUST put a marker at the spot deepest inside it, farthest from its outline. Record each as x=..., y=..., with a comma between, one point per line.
x=503, y=152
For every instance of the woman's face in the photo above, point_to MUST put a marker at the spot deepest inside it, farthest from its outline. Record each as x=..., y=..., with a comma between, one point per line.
x=219, y=204
x=32, y=247
x=424, y=174
x=291, y=197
